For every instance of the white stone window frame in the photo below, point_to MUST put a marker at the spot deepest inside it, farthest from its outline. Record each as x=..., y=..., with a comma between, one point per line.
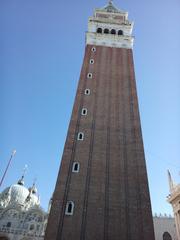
x=73, y=167
x=93, y=49
x=84, y=111
x=89, y=75
x=87, y=91
x=79, y=138
x=67, y=212
x=91, y=61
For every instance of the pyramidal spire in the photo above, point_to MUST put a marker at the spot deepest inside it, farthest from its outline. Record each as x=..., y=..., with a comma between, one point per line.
x=111, y=8
x=171, y=183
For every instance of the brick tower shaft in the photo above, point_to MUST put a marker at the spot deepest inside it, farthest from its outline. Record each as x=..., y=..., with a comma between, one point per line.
x=102, y=189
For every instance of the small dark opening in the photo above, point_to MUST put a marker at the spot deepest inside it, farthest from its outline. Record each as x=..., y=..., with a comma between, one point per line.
x=99, y=30
x=84, y=111
x=87, y=91
x=70, y=207
x=106, y=30
x=76, y=167
x=8, y=224
x=31, y=227
x=80, y=136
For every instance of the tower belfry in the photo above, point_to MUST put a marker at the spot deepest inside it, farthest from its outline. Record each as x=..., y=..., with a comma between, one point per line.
x=102, y=189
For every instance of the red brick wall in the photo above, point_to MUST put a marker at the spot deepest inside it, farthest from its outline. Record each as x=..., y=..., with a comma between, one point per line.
x=110, y=192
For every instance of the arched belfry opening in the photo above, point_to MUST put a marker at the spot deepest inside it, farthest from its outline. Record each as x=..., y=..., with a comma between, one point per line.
x=99, y=30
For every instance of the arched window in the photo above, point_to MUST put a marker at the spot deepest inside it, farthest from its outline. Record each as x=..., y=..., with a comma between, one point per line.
x=106, y=30
x=80, y=136
x=99, y=30
x=166, y=236
x=75, y=167
x=89, y=75
x=69, y=208
x=120, y=32
x=93, y=49
x=87, y=91
x=84, y=111
x=113, y=31
x=8, y=224
x=91, y=61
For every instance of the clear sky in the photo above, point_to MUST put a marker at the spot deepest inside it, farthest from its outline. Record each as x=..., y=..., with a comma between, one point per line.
x=41, y=51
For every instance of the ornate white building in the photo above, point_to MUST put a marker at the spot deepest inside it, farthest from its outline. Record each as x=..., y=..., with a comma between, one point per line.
x=174, y=200
x=21, y=216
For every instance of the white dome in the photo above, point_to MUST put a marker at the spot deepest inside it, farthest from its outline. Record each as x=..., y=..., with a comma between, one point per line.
x=19, y=195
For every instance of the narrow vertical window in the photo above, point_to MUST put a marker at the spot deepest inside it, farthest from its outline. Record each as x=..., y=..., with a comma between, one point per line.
x=89, y=75
x=75, y=167
x=87, y=91
x=91, y=61
x=84, y=111
x=80, y=136
x=69, y=208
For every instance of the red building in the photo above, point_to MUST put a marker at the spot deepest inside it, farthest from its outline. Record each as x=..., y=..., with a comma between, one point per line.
x=102, y=189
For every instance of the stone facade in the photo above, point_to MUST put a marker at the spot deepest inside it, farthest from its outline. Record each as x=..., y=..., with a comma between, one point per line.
x=21, y=217
x=164, y=226
x=106, y=196
x=174, y=200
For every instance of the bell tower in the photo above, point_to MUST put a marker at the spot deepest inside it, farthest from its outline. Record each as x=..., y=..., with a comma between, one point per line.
x=102, y=188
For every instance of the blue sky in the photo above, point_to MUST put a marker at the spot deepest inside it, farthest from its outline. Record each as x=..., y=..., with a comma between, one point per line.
x=41, y=51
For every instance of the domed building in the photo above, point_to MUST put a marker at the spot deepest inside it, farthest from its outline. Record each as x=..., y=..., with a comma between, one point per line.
x=21, y=216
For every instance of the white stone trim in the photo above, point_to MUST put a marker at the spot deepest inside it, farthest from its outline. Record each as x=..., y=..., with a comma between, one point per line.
x=73, y=168
x=91, y=61
x=79, y=138
x=84, y=111
x=89, y=75
x=67, y=206
x=87, y=91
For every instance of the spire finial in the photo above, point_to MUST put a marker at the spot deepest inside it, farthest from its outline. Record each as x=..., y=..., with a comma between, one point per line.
x=110, y=1
x=21, y=181
x=33, y=189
